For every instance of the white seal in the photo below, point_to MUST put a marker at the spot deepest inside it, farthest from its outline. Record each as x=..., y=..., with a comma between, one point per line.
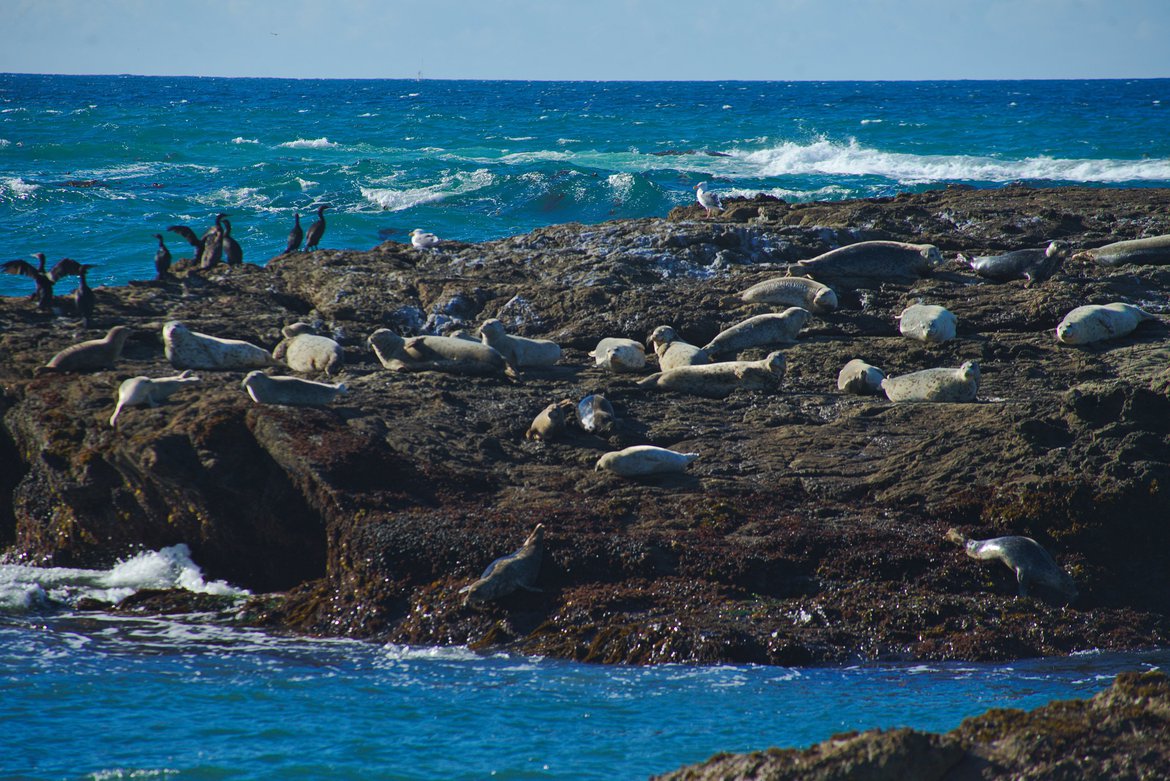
x=520, y=352
x=860, y=378
x=619, y=355
x=641, y=460
x=719, y=380
x=792, y=291
x=306, y=352
x=290, y=390
x=187, y=349
x=768, y=330
x=673, y=352
x=137, y=391
x=945, y=385
x=1097, y=322
x=927, y=323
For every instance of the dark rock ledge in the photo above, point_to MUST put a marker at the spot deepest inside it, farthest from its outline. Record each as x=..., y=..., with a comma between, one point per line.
x=809, y=531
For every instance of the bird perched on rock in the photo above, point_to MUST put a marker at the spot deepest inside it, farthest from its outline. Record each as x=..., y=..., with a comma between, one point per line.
x=44, y=283
x=295, y=235
x=190, y=237
x=316, y=230
x=707, y=199
x=162, y=258
x=83, y=298
x=212, y=244
x=233, y=254
x=420, y=239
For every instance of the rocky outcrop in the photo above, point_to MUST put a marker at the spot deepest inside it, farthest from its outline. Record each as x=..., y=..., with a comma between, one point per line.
x=1123, y=732
x=809, y=530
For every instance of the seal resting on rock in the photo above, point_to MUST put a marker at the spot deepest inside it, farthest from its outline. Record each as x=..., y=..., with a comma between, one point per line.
x=872, y=261
x=449, y=354
x=92, y=355
x=792, y=291
x=517, y=570
x=1034, y=568
x=187, y=349
x=760, y=331
x=595, y=414
x=719, y=380
x=137, y=391
x=927, y=323
x=1151, y=251
x=520, y=352
x=619, y=355
x=860, y=378
x=306, y=352
x=641, y=460
x=1033, y=265
x=1096, y=322
x=948, y=385
x=551, y=421
x=290, y=390
x=673, y=352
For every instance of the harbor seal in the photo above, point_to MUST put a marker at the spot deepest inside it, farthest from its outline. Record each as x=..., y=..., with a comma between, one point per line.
x=448, y=354
x=792, y=291
x=517, y=570
x=1033, y=265
x=619, y=355
x=1034, y=568
x=595, y=414
x=290, y=390
x=187, y=349
x=943, y=385
x=927, y=323
x=1151, y=251
x=519, y=351
x=642, y=460
x=719, y=380
x=1097, y=322
x=137, y=391
x=760, y=331
x=673, y=352
x=872, y=261
x=860, y=378
x=551, y=421
x=89, y=356
x=304, y=351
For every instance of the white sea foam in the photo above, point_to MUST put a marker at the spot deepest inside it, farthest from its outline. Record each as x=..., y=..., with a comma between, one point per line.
x=16, y=188
x=24, y=588
x=242, y=140
x=852, y=159
x=306, y=183
x=622, y=185
x=307, y=143
x=4, y=142
x=460, y=183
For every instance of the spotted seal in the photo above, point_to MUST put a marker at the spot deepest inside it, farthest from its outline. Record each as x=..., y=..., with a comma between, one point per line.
x=187, y=349
x=927, y=323
x=137, y=391
x=519, y=351
x=944, y=385
x=872, y=261
x=1097, y=322
x=595, y=414
x=92, y=355
x=517, y=570
x=619, y=355
x=766, y=330
x=673, y=352
x=719, y=380
x=304, y=351
x=448, y=354
x=792, y=291
x=550, y=421
x=290, y=390
x=860, y=378
x=1035, y=570
x=1032, y=265
x=642, y=460
x=1150, y=251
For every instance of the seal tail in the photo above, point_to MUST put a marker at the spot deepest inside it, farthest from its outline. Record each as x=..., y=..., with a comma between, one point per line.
x=114, y=417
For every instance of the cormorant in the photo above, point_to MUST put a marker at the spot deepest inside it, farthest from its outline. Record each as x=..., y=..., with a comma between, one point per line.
x=234, y=255
x=83, y=297
x=295, y=235
x=316, y=230
x=162, y=258
x=212, y=244
x=191, y=238
x=44, y=291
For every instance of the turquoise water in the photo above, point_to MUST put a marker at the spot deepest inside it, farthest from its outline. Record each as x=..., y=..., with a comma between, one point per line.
x=92, y=166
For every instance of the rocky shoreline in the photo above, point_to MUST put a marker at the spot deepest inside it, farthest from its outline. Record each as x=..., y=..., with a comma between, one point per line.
x=810, y=530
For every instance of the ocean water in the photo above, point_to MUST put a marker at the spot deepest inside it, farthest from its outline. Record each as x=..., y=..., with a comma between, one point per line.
x=87, y=695
x=92, y=166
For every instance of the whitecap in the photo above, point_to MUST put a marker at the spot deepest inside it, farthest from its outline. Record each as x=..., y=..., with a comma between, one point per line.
x=391, y=199
x=235, y=197
x=622, y=185
x=17, y=188
x=307, y=143
x=242, y=140
x=306, y=183
x=872, y=121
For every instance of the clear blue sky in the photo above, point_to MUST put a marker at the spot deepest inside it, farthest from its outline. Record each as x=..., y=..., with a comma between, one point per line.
x=591, y=39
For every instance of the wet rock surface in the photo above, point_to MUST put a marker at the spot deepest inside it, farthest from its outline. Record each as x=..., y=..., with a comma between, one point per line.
x=1123, y=732
x=809, y=530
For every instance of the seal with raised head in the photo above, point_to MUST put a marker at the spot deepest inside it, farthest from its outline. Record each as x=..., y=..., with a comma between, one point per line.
x=448, y=354
x=642, y=460
x=1034, y=567
x=860, y=378
x=872, y=261
x=1097, y=322
x=1033, y=265
x=673, y=352
x=619, y=355
x=1150, y=251
x=945, y=385
x=719, y=380
x=595, y=414
x=187, y=349
x=290, y=390
x=792, y=291
x=306, y=352
x=92, y=355
x=551, y=420
x=767, y=330
x=137, y=391
x=519, y=351
x=517, y=570
x=927, y=323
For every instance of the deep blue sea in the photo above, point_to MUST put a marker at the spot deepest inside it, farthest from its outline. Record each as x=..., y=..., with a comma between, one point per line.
x=92, y=166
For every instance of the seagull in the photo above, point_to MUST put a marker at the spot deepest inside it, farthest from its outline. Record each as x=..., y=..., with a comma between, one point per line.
x=708, y=200
x=420, y=239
